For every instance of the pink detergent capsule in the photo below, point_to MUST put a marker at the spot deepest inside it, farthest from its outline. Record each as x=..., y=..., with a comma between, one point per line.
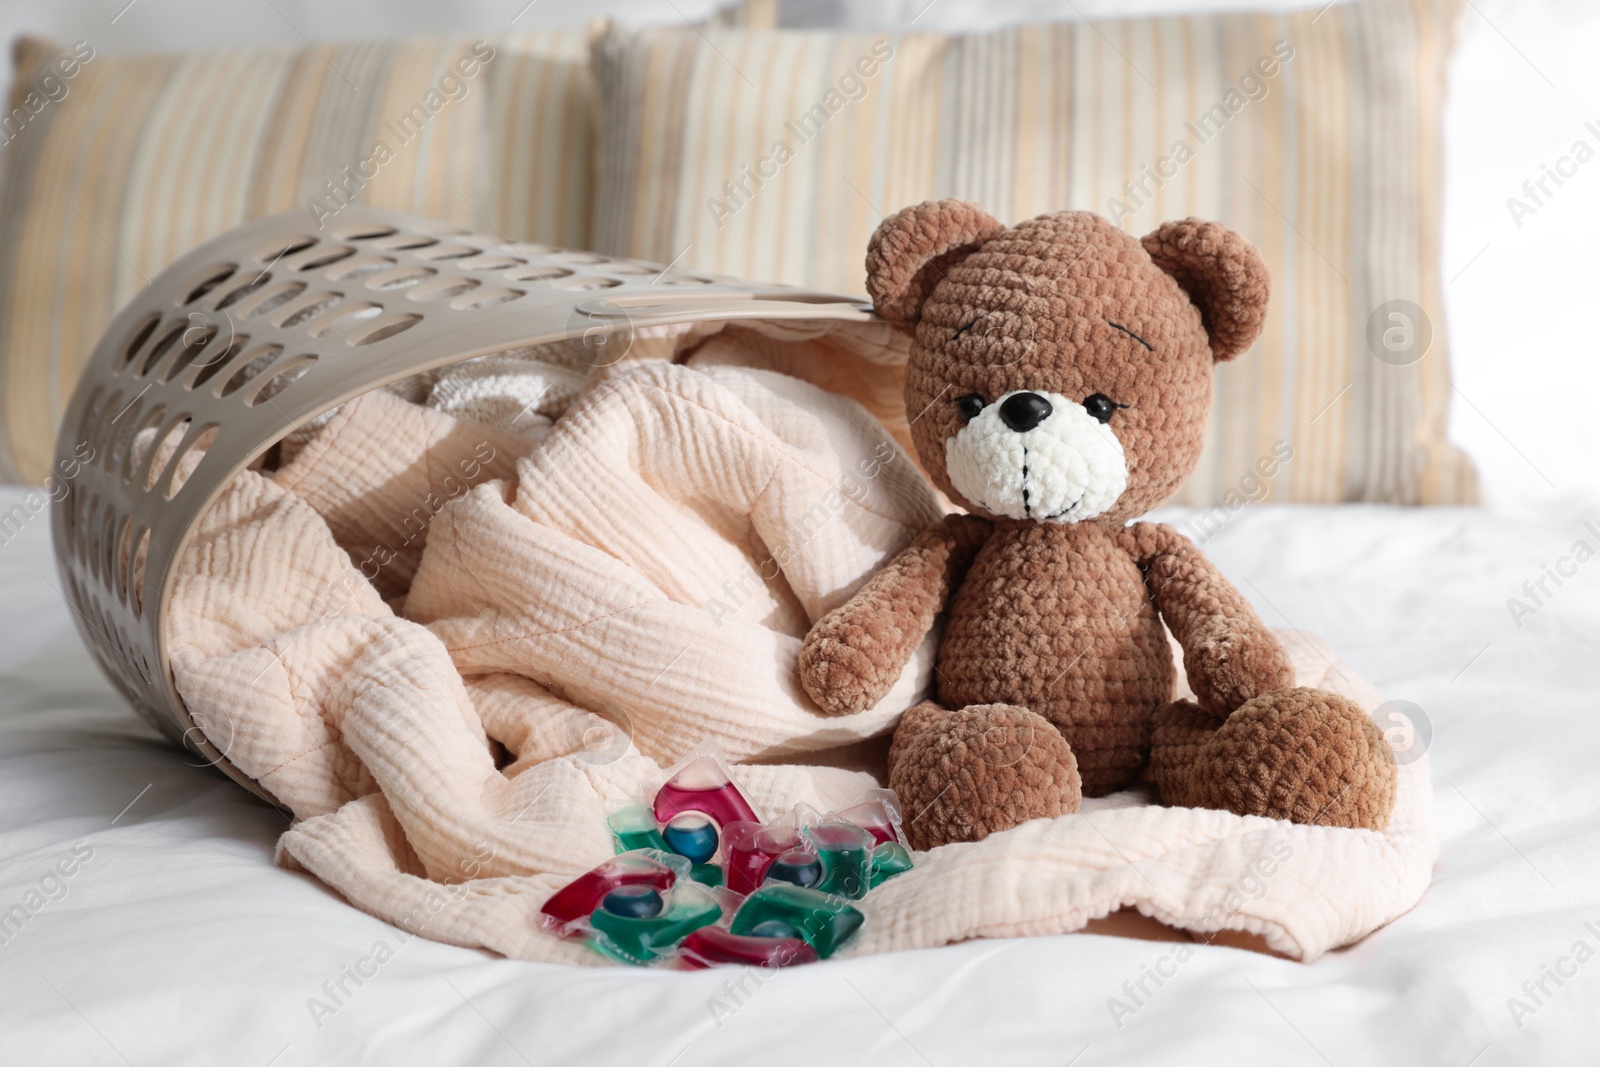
x=702, y=785
x=749, y=848
x=712, y=944
x=578, y=899
x=878, y=816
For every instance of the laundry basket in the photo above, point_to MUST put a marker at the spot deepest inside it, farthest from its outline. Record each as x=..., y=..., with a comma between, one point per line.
x=276, y=322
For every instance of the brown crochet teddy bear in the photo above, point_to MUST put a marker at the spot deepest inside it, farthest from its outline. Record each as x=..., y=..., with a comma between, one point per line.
x=1058, y=386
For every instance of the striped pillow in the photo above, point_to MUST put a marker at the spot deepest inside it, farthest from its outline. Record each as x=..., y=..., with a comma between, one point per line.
x=120, y=166
x=774, y=154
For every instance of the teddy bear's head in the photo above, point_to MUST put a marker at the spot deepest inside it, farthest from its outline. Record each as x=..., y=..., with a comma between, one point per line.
x=1060, y=369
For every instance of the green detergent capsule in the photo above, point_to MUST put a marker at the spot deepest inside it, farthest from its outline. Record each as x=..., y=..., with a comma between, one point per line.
x=639, y=940
x=707, y=874
x=888, y=860
x=635, y=827
x=845, y=850
x=825, y=922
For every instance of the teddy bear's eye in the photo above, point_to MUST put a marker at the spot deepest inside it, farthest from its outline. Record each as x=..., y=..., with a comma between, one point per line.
x=969, y=406
x=1101, y=406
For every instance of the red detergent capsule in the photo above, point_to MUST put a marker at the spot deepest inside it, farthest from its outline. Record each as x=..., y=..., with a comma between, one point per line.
x=749, y=848
x=711, y=945
x=578, y=899
x=874, y=817
x=702, y=785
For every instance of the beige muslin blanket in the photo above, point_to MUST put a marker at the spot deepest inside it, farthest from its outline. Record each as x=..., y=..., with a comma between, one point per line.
x=452, y=631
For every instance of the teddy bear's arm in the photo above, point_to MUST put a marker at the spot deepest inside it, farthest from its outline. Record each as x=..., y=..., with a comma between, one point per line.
x=853, y=654
x=1229, y=655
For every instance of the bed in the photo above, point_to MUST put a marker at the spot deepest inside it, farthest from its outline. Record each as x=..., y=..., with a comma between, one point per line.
x=174, y=939
x=143, y=919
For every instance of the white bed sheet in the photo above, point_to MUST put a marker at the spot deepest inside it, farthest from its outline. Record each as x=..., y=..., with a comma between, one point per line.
x=178, y=941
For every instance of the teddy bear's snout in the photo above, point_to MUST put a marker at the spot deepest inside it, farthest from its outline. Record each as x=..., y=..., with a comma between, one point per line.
x=1023, y=411
x=1037, y=456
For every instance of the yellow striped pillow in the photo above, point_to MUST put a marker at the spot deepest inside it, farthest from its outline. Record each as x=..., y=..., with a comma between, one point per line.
x=118, y=165
x=774, y=154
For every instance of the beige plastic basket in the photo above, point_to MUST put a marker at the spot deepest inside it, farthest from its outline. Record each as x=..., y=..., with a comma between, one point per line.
x=276, y=322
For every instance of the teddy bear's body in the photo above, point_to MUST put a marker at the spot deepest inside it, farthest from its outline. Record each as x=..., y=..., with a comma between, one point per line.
x=1055, y=619
x=1058, y=386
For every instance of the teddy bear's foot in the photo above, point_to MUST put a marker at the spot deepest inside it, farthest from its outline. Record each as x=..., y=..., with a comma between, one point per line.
x=963, y=775
x=1306, y=755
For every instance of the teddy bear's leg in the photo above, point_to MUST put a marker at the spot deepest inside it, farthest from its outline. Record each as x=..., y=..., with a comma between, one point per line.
x=963, y=775
x=1306, y=755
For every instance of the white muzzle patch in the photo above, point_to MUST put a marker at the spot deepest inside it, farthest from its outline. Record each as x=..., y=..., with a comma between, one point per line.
x=1067, y=468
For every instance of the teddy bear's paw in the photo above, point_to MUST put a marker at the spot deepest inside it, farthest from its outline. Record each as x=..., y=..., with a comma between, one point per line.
x=1306, y=755
x=963, y=775
x=845, y=669
x=1225, y=671
x=1179, y=733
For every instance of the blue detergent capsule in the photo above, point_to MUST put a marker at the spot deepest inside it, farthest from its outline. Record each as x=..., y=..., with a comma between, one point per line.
x=797, y=867
x=633, y=902
x=774, y=928
x=692, y=836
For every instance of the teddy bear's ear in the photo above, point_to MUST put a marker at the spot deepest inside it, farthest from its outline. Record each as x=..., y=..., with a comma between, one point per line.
x=912, y=248
x=1222, y=273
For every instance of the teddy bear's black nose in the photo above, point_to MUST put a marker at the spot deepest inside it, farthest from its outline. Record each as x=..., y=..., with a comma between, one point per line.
x=1023, y=411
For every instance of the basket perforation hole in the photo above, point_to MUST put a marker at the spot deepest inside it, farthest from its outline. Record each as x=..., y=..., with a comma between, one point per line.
x=488, y=262
x=122, y=440
x=401, y=279
x=406, y=241
x=160, y=349
x=69, y=520
x=486, y=299
x=443, y=289
x=360, y=268
x=346, y=319
x=106, y=546
x=276, y=298
x=215, y=358
x=105, y=428
x=143, y=447
x=80, y=525
x=588, y=281
x=85, y=544
x=183, y=440
x=190, y=353
x=85, y=524
x=286, y=376
x=240, y=292
x=537, y=273
x=447, y=252
x=325, y=257
x=165, y=445
x=124, y=559
x=92, y=414
x=140, y=556
x=136, y=339
x=384, y=329
x=208, y=281
x=365, y=233
x=284, y=246
x=306, y=312
x=258, y=362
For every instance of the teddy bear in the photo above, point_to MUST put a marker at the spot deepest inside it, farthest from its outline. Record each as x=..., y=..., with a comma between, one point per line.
x=1058, y=386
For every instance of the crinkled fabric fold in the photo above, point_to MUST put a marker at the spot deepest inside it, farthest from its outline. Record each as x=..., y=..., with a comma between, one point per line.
x=451, y=649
